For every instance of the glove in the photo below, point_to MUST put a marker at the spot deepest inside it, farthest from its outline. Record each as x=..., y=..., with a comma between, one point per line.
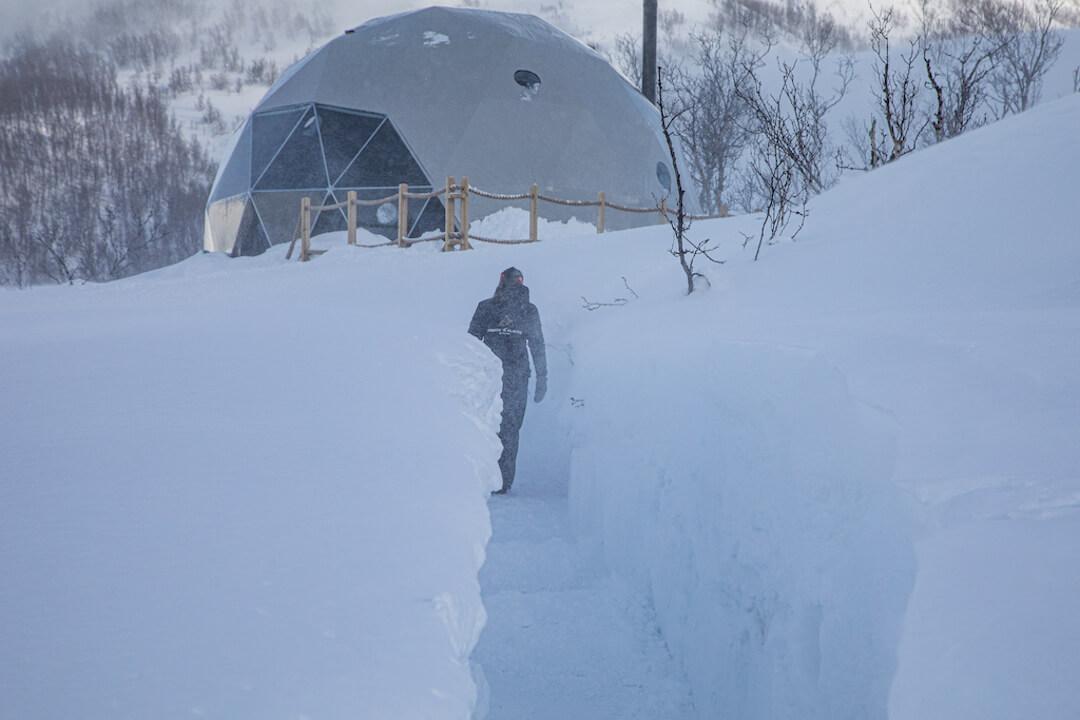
x=541, y=388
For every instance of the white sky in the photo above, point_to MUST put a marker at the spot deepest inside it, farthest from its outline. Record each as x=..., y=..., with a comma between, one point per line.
x=599, y=19
x=584, y=18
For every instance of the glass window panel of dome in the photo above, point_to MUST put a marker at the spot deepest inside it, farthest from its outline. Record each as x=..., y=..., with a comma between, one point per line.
x=385, y=162
x=432, y=217
x=329, y=220
x=280, y=213
x=344, y=134
x=235, y=177
x=299, y=164
x=223, y=218
x=268, y=133
x=250, y=240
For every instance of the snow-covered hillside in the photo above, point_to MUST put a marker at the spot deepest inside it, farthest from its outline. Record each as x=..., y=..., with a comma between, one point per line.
x=841, y=481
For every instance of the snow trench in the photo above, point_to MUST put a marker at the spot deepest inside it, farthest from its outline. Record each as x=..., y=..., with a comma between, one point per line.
x=744, y=493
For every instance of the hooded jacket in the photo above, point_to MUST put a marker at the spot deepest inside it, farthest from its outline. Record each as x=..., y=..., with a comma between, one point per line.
x=506, y=323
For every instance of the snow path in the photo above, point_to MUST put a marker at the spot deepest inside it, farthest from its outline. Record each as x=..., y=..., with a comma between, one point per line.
x=563, y=638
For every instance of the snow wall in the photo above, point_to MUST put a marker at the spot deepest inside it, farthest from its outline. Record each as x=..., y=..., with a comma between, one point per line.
x=745, y=492
x=212, y=503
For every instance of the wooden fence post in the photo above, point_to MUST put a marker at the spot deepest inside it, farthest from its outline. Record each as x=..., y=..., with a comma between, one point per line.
x=534, y=191
x=600, y=215
x=402, y=213
x=305, y=229
x=465, y=214
x=350, y=212
x=450, y=212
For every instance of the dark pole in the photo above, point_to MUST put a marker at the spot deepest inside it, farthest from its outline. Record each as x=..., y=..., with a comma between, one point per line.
x=648, y=52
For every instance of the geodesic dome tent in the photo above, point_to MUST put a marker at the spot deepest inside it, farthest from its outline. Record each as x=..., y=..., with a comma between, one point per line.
x=504, y=99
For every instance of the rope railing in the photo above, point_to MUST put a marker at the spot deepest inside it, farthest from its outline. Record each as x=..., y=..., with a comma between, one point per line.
x=498, y=196
x=624, y=208
x=456, y=234
x=425, y=196
x=569, y=203
x=496, y=241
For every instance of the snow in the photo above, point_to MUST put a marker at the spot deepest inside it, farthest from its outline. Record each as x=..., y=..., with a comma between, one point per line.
x=752, y=502
x=434, y=39
x=210, y=506
x=992, y=630
x=513, y=223
x=841, y=482
x=564, y=638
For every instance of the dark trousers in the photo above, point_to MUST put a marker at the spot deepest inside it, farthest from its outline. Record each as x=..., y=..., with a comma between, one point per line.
x=515, y=394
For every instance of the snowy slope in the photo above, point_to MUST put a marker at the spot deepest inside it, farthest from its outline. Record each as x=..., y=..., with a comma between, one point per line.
x=237, y=488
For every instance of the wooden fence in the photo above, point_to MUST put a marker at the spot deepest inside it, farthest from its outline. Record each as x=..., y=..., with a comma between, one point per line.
x=456, y=231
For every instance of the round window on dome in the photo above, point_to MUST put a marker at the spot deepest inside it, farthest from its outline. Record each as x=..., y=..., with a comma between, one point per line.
x=528, y=80
x=663, y=175
x=386, y=214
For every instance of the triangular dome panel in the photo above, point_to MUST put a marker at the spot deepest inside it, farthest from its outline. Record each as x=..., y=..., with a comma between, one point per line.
x=299, y=163
x=250, y=240
x=385, y=162
x=233, y=179
x=344, y=135
x=331, y=220
x=280, y=213
x=223, y=219
x=269, y=132
x=432, y=217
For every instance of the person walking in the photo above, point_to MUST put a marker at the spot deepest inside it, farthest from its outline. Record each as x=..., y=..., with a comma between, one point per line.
x=508, y=323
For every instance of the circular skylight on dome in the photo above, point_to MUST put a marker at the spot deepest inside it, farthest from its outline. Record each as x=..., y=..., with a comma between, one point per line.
x=528, y=80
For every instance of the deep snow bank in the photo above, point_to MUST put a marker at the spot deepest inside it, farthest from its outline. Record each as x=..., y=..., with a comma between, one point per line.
x=242, y=489
x=744, y=490
x=943, y=290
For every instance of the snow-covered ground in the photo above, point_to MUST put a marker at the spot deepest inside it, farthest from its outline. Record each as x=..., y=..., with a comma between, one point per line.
x=842, y=481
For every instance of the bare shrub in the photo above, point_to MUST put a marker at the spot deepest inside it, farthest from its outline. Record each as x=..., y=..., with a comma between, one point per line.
x=959, y=62
x=793, y=119
x=715, y=122
x=898, y=91
x=1027, y=41
x=683, y=248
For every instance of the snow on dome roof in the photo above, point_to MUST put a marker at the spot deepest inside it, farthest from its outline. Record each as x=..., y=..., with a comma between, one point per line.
x=422, y=95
